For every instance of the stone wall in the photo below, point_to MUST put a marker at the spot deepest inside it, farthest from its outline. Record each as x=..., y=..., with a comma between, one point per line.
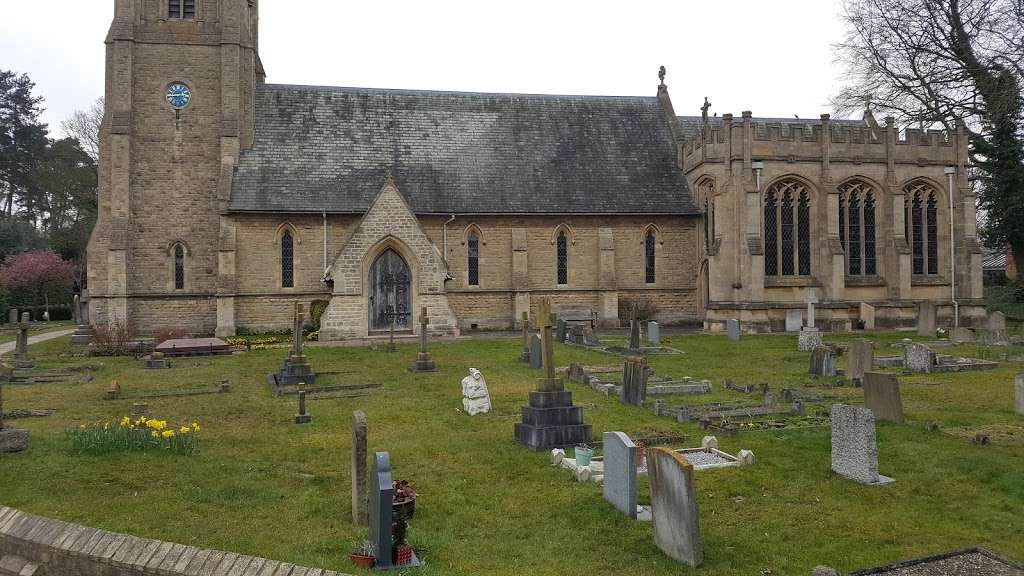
x=57, y=548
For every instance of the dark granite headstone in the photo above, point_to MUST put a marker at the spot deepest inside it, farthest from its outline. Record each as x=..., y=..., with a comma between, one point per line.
x=536, y=353
x=634, y=381
x=359, y=435
x=882, y=396
x=524, y=356
x=562, y=332
x=380, y=514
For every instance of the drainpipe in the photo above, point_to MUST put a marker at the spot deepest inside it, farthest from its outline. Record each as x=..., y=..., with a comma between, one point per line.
x=325, y=243
x=447, y=275
x=950, y=171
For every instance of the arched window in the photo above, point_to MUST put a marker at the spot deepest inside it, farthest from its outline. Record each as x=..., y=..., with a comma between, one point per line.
x=181, y=9
x=706, y=190
x=857, y=227
x=179, y=267
x=787, y=229
x=649, y=253
x=473, y=258
x=921, y=227
x=287, y=260
x=563, y=257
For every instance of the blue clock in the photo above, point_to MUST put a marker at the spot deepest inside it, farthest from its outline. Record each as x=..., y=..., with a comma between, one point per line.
x=178, y=95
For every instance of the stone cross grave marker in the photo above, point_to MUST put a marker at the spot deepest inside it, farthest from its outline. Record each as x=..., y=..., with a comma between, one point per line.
x=654, y=333
x=620, y=472
x=882, y=396
x=674, y=506
x=524, y=355
x=380, y=514
x=21, y=357
x=812, y=299
x=302, y=417
x=854, y=449
x=297, y=330
x=634, y=381
x=536, y=352
x=634, y=328
x=926, y=319
x=550, y=420
x=296, y=366
x=423, y=362
x=732, y=329
x=860, y=359
x=359, y=434
x=1018, y=393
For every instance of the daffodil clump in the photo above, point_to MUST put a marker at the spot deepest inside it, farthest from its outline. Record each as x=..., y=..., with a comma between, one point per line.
x=138, y=434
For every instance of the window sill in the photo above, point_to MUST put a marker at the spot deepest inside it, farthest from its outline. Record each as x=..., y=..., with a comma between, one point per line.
x=789, y=281
x=874, y=280
x=928, y=280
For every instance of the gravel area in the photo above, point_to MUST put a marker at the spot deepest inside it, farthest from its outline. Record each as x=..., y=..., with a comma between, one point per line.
x=968, y=564
x=699, y=459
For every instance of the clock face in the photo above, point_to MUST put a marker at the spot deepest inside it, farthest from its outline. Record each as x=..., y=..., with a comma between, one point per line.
x=178, y=95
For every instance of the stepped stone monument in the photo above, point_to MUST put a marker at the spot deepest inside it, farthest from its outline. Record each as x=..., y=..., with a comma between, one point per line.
x=296, y=367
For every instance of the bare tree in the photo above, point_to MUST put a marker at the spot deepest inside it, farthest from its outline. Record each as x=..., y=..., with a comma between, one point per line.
x=85, y=126
x=939, y=62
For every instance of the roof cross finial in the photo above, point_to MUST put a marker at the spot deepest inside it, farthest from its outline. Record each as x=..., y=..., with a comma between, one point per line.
x=661, y=76
x=704, y=110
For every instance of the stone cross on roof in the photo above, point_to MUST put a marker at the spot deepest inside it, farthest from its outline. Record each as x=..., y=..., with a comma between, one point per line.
x=661, y=75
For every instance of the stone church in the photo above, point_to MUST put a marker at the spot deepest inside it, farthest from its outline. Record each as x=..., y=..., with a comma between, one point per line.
x=224, y=199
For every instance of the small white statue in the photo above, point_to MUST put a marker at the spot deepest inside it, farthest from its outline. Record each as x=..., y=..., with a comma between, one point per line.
x=475, y=398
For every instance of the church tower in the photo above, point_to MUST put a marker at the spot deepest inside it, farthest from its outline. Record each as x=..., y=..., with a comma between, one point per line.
x=180, y=82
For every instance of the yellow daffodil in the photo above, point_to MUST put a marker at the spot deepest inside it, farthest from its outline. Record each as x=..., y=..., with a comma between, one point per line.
x=185, y=430
x=195, y=426
x=168, y=433
x=155, y=434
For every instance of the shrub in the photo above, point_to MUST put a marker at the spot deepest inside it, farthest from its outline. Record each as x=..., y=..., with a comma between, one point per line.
x=141, y=434
x=165, y=334
x=645, y=309
x=316, y=310
x=112, y=340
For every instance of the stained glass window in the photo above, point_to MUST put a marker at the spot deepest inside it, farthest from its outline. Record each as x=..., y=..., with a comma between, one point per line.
x=933, y=235
x=857, y=227
x=853, y=247
x=870, y=262
x=918, y=235
x=649, y=275
x=788, y=254
x=563, y=258
x=287, y=260
x=179, y=267
x=473, y=256
x=922, y=207
x=771, y=247
x=804, y=230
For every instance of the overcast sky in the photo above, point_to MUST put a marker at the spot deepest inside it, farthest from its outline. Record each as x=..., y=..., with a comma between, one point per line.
x=773, y=57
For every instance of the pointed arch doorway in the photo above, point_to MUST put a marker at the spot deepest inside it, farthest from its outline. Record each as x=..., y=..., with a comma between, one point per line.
x=389, y=283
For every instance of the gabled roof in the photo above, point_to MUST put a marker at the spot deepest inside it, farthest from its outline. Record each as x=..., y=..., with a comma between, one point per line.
x=330, y=149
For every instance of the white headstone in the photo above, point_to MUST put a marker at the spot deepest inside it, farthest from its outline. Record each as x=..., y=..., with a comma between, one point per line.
x=1018, y=393
x=654, y=333
x=732, y=329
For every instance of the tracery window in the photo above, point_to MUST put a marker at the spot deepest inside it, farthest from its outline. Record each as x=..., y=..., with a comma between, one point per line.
x=649, y=253
x=921, y=227
x=857, y=227
x=787, y=229
x=473, y=258
x=563, y=257
x=181, y=9
x=707, y=191
x=287, y=260
x=179, y=267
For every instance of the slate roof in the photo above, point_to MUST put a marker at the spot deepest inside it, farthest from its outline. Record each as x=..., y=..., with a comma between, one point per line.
x=329, y=149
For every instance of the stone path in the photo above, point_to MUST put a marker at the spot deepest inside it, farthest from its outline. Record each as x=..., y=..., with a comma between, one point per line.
x=8, y=347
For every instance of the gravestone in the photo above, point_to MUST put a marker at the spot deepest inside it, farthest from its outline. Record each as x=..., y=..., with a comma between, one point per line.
x=563, y=331
x=732, y=329
x=854, y=450
x=654, y=333
x=634, y=329
x=823, y=362
x=21, y=357
x=860, y=359
x=359, y=434
x=995, y=333
x=12, y=316
x=794, y=320
x=867, y=315
x=674, y=506
x=157, y=360
x=809, y=339
x=918, y=358
x=475, y=398
x=996, y=321
x=536, y=354
x=812, y=299
x=140, y=409
x=423, y=362
x=524, y=356
x=634, y=381
x=381, y=496
x=1018, y=393
x=550, y=420
x=620, y=472
x=296, y=366
x=961, y=335
x=302, y=417
x=882, y=396
x=11, y=439
x=83, y=330
x=926, y=325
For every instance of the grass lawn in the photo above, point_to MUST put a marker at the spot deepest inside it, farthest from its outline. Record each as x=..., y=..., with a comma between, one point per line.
x=11, y=334
x=264, y=486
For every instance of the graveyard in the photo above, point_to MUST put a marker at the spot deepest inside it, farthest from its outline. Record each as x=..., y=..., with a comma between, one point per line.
x=266, y=483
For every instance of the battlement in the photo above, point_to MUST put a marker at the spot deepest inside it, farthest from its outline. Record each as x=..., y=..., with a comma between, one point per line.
x=725, y=138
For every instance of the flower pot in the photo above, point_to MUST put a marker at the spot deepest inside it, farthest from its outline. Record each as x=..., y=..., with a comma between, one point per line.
x=403, y=554
x=362, y=561
x=583, y=456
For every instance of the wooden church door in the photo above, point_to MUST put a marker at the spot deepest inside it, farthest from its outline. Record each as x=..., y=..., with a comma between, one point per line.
x=389, y=292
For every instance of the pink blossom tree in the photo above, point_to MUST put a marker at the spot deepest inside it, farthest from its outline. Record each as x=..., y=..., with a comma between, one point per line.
x=37, y=272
